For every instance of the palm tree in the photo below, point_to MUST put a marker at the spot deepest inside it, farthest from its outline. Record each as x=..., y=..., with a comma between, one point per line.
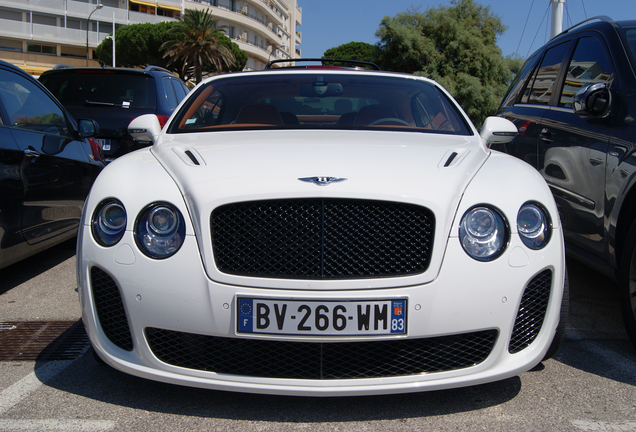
x=196, y=42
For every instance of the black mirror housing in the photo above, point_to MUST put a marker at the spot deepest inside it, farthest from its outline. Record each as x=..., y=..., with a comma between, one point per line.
x=87, y=128
x=594, y=100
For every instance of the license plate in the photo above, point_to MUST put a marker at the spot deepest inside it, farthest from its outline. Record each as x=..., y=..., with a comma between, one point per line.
x=105, y=142
x=321, y=317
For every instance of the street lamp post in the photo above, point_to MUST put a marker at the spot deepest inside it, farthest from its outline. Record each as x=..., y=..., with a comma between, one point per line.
x=88, y=20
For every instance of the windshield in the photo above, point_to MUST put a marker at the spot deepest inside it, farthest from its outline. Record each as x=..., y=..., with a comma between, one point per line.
x=105, y=88
x=319, y=101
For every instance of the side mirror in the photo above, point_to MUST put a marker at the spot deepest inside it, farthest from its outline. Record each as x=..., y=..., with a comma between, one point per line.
x=498, y=130
x=87, y=128
x=145, y=128
x=594, y=100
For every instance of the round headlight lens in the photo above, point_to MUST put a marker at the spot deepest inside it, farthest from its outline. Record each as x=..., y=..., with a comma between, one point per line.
x=483, y=233
x=162, y=221
x=109, y=222
x=159, y=230
x=533, y=226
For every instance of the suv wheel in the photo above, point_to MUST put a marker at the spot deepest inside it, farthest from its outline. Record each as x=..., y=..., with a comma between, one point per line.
x=628, y=284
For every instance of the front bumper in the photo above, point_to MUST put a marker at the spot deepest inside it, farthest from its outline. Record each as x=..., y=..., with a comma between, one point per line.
x=167, y=321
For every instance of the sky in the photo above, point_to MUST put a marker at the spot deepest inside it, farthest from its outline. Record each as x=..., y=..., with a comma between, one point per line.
x=330, y=23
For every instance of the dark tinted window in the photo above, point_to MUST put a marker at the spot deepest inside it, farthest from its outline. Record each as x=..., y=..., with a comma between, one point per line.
x=545, y=78
x=169, y=92
x=179, y=88
x=320, y=100
x=28, y=107
x=589, y=65
x=519, y=82
x=102, y=88
x=630, y=35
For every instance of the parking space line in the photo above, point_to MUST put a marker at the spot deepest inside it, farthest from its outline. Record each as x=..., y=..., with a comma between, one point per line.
x=12, y=395
x=19, y=391
x=56, y=425
x=595, y=425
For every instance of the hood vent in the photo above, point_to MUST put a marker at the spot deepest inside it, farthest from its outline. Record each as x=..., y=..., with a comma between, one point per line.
x=453, y=158
x=189, y=156
x=192, y=157
x=450, y=159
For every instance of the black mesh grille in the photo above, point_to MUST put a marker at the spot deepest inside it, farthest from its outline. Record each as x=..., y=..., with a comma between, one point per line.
x=322, y=238
x=110, y=309
x=315, y=360
x=534, y=304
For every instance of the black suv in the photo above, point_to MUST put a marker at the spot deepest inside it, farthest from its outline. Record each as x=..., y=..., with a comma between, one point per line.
x=115, y=96
x=574, y=103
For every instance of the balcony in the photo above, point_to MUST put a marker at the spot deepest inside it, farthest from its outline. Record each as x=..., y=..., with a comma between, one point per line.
x=224, y=13
x=81, y=10
x=258, y=52
x=270, y=10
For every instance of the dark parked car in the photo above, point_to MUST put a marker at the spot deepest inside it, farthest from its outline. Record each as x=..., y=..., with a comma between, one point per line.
x=115, y=96
x=574, y=104
x=47, y=166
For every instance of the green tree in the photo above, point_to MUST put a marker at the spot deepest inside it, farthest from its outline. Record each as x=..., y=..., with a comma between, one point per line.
x=354, y=51
x=195, y=41
x=454, y=45
x=240, y=56
x=138, y=45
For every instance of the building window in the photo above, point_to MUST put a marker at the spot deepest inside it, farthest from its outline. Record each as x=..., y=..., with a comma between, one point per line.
x=134, y=7
x=10, y=45
x=41, y=49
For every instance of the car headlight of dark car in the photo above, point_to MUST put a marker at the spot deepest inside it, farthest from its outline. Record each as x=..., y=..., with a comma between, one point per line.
x=533, y=226
x=159, y=230
x=109, y=222
x=483, y=233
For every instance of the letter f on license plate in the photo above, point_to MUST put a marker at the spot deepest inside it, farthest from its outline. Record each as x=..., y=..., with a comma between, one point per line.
x=321, y=317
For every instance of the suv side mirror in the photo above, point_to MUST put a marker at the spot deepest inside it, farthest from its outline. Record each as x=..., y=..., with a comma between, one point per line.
x=594, y=100
x=87, y=128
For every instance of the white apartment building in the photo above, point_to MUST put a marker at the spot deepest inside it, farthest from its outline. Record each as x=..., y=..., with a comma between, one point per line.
x=38, y=34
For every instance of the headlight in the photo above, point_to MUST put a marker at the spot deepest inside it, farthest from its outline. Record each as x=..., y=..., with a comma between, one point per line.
x=159, y=230
x=483, y=233
x=109, y=222
x=533, y=226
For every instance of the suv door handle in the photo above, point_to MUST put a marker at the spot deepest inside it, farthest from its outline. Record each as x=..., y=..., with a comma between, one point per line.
x=546, y=136
x=30, y=153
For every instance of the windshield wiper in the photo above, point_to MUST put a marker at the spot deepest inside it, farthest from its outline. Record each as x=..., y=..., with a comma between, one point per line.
x=100, y=103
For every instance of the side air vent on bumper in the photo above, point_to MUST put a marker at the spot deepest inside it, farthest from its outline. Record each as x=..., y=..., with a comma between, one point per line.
x=322, y=238
x=531, y=314
x=110, y=309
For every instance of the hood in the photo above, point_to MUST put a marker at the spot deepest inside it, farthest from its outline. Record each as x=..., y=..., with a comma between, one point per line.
x=212, y=169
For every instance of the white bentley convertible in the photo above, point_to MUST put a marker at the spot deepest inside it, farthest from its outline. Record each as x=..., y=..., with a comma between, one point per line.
x=321, y=231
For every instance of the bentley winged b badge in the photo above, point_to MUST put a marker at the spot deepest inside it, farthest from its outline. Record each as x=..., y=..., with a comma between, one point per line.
x=322, y=181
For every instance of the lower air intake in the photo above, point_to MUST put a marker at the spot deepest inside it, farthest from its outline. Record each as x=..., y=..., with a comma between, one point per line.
x=531, y=314
x=110, y=309
x=320, y=361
